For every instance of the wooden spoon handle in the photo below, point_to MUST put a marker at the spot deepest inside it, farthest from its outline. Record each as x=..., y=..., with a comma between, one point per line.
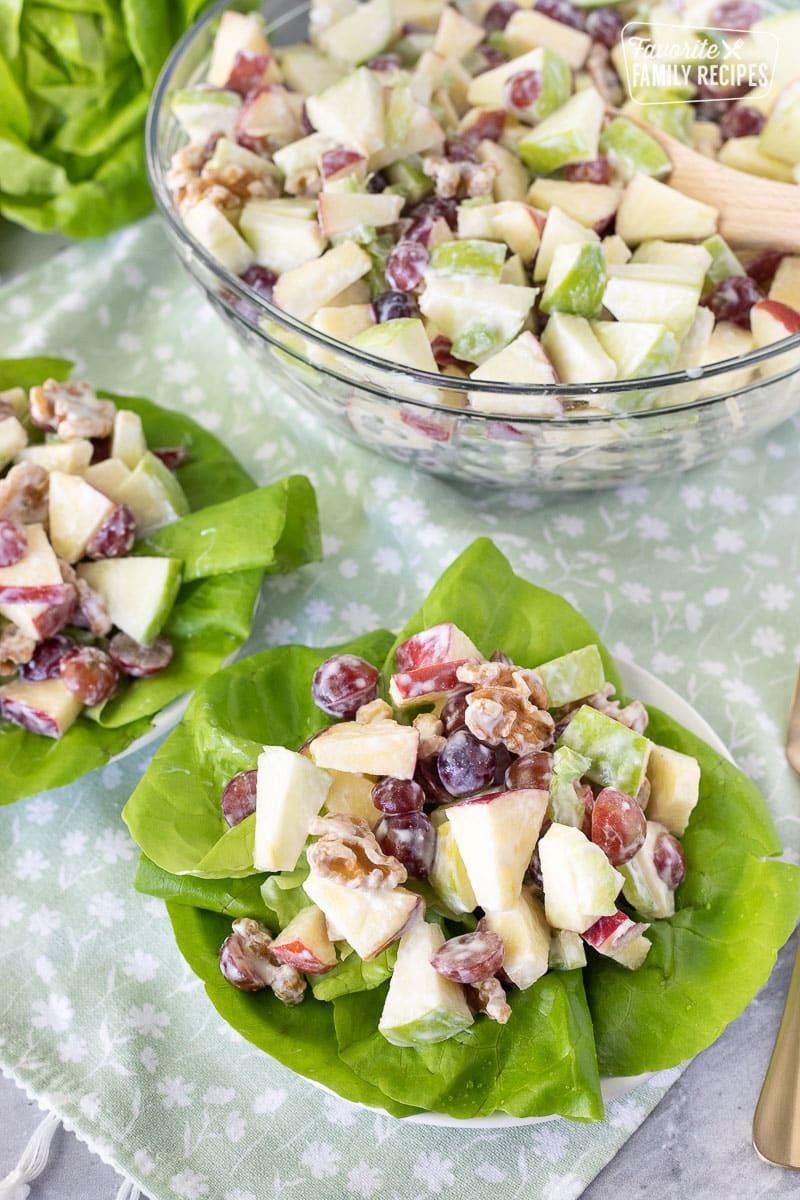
x=776, y=1126
x=755, y=213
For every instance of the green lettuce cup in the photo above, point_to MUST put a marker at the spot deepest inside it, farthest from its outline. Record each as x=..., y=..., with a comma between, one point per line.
x=234, y=535
x=734, y=911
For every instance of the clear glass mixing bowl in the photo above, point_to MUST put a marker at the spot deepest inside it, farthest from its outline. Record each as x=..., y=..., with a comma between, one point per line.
x=673, y=422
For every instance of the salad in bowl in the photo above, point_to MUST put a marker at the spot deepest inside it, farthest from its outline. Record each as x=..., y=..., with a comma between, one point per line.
x=454, y=192
x=458, y=871
x=132, y=549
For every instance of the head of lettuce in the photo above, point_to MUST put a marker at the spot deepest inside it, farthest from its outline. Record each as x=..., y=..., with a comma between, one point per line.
x=75, y=81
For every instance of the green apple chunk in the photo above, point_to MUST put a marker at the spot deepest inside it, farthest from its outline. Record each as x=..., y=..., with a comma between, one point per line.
x=352, y=795
x=591, y=205
x=524, y=362
x=306, y=70
x=230, y=154
x=449, y=877
x=574, y=350
x=290, y=792
x=579, y=883
x=344, y=324
x=366, y=919
x=346, y=213
x=631, y=149
x=618, y=755
x=479, y=317
x=403, y=341
x=203, y=111
x=616, y=251
x=488, y=89
x=45, y=705
x=644, y=889
x=38, y=568
x=567, y=951
x=573, y=676
x=496, y=836
x=559, y=230
x=108, y=477
x=683, y=255
x=526, y=939
x=785, y=287
x=655, y=294
x=138, y=592
x=361, y=34
x=528, y=29
x=421, y=1005
x=508, y=221
x=13, y=439
x=467, y=259
x=380, y=748
x=127, y=440
x=565, y=806
x=456, y=35
x=72, y=458
x=569, y=135
x=724, y=262
x=153, y=495
x=293, y=160
x=576, y=281
x=304, y=290
x=638, y=348
x=674, y=788
x=278, y=241
x=780, y=137
x=351, y=112
x=76, y=511
x=512, y=180
x=237, y=32
x=745, y=154
x=215, y=234
x=650, y=209
x=632, y=954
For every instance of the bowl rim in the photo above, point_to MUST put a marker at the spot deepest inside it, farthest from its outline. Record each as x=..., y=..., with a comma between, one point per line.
x=241, y=292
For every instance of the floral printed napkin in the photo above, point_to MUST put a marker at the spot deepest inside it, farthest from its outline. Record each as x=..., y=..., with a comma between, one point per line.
x=695, y=578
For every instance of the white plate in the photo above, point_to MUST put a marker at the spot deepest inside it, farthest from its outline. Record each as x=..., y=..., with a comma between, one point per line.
x=643, y=686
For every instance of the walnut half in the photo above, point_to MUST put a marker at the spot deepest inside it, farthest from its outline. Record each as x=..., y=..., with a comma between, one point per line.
x=348, y=853
x=501, y=714
x=247, y=962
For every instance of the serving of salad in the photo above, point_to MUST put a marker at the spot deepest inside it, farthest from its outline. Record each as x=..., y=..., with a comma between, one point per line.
x=454, y=190
x=105, y=567
x=485, y=874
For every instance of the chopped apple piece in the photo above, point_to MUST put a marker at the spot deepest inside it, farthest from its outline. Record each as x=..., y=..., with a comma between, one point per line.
x=568, y=135
x=444, y=643
x=616, y=251
x=524, y=362
x=139, y=592
x=650, y=209
x=351, y=112
x=512, y=180
x=620, y=938
x=573, y=676
x=479, y=317
x=644, y=889
x=567, y=951
x=638, y=348
x=215, y=234
x=618, y=755
x=654, y=294
x=72, y=457
x=745, y=154
x=528, y=29
x=274, y=113
x=127, y=440
x=422, y=1006
x=456, y=35
x=291, y=791
x=489, y=88
x=108, y=476
x=496, y=836
x=403, y=341
x=780, y=137
x=469, y=258
x=574, y=350
x=576, y=281
x=280, y=242
x=510, y=222
x=559, y=230
x=579, y=883
x=380, y=748
x=360, y=35
x=785, y=287
x=592, y=205
x=304, y=943
x=674, y=787
x=449, y=878
x=153, y=495
x=345, y=212
x=632, y=150
x=39, y=568
x=203, y=112
x=526, y=940
x=306, y=289
x=369, y=920
x=352, y=795
x=17, y=398
x=13, y=439
x=44, y=707
x=76, y=512
x=683, y=255
x=306, y=70
x=423, y=684
x=237, y=32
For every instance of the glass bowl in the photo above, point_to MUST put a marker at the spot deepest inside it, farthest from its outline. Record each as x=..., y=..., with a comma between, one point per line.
x=602, y=435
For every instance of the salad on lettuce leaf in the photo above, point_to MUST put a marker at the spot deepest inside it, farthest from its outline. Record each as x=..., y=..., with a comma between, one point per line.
x=75, y=82
x=458, y=871
x=132, y=549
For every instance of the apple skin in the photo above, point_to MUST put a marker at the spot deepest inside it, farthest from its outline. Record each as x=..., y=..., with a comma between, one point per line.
x=786, y=320
x=495, y=835
x=610, y=933
x=425, y=683
x=444, y=643
x=43, y=707
x=305, y=943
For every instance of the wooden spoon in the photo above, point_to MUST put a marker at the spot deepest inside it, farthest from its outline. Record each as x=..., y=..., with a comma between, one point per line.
x=755, y=213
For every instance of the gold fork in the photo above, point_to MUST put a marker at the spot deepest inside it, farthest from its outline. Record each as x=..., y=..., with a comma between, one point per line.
x=776, y=1125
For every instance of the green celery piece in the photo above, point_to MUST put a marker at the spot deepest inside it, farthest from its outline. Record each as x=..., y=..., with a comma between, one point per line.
x=263, y=700
x=354, y=975
x=408, y=179
x=573, y=676
x=724, y=263
x=564, y=806
x=541, y=1063
x=618, y=755
x=302, y=1038
x=231, y=897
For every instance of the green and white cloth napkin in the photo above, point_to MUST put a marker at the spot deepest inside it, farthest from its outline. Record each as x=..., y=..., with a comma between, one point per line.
x=695, y=578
